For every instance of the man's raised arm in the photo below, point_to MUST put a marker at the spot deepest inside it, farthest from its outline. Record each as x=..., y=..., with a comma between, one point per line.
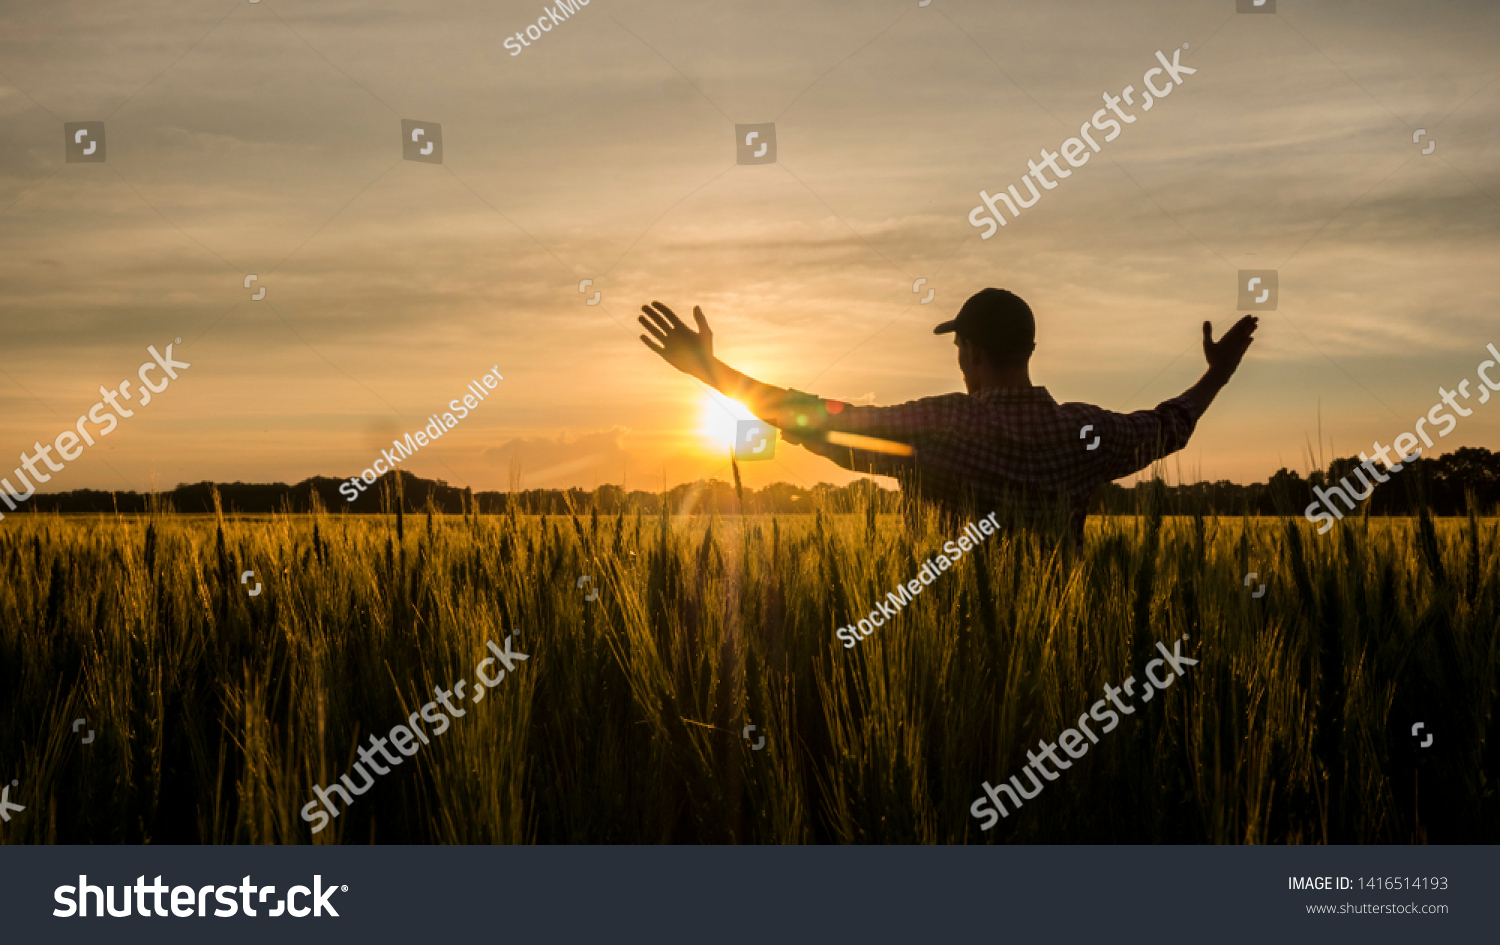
x=806, y=417
x=1223, y=358
x=1136, y=440
x=692, y=353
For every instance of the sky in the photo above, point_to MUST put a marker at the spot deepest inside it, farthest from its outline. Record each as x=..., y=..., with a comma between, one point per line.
x=265, y=138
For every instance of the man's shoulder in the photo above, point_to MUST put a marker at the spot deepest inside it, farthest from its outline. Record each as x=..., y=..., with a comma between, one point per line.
x=1022, y=397
x=1078, y=409
x=957, y=398
x=934, y=401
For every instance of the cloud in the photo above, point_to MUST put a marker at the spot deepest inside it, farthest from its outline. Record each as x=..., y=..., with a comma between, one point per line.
x=247, y=141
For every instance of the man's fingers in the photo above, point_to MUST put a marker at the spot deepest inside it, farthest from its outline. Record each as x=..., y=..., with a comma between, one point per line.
x=1242, y=331
x=660, y=335
x=647, y=342
x=656, y=319
x=671, y=316
x=663, y=321
x=1238, y=334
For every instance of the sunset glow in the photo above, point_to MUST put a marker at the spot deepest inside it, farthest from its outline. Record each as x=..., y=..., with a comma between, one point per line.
x=717, y=418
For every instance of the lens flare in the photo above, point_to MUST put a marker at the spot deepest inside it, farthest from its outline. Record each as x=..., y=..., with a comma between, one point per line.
x=717, y=420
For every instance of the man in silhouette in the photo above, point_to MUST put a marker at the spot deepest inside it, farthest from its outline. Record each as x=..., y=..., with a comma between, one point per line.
x=1005, y=445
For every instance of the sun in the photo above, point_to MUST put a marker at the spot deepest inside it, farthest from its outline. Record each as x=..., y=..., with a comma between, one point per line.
x=718, y=417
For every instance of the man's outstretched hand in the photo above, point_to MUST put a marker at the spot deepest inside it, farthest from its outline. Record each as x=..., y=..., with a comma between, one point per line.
x=691, y=352
x=1224, y=355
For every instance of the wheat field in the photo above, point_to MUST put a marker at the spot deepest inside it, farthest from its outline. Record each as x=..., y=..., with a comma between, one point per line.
x=215, y=712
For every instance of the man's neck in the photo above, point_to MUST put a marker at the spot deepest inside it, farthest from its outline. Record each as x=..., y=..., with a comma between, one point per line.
x=1011, y=379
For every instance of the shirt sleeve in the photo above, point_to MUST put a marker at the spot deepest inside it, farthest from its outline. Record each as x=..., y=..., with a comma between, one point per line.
x=1136, y=440
x=901, y=422
x=855, y=460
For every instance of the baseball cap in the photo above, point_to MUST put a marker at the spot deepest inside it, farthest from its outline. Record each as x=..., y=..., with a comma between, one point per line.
x=998, y=321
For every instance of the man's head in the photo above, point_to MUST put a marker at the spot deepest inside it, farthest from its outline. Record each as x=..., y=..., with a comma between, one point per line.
x=996, y=334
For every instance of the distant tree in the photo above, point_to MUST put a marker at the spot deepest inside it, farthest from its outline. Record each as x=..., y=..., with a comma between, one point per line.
x=1287, y=493
x=1445, y=482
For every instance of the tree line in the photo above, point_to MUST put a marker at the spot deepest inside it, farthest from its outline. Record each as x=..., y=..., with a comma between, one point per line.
x=1446, y=484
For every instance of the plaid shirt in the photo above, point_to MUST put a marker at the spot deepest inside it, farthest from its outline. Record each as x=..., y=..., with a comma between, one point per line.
x=1012, y=449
